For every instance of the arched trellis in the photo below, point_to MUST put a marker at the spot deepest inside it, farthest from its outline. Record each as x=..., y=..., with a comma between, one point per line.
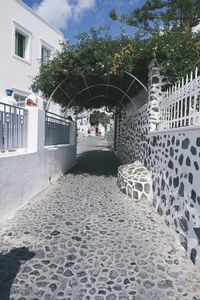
x=104, y=96
x=88, y=87
x=99, y=85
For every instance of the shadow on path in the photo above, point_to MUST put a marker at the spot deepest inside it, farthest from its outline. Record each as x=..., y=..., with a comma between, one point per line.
x=97, y=163
x=9, y=267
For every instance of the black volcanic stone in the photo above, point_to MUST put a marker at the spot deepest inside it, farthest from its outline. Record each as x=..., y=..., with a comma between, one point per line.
x=177, y=143
x=173, y=140
x=176, y=207
x=197, y=231
x=154, y=141
x=164, y=199
x=162, y=185
x=180, y=160
x=170, y=181
x=184, y=242
x=198, y=200
x=185, y=143
x=135, y=194
x=170, y=164
x=154, y=202
x=171, y=199
x=193, y=196
x=160, y=211
x=183, y=223
x=155, y=109
x=139, y=186
x=196, y=166
x=181, y=190
x=167, y=212
x=176, y=182
x=190, y=178
x=171, y=151
x=193, y=150
x=187, y=214
x=198, y=142
x=55, y=233
x=154, y=186
x=193, y=255
x=155, y=79
x=188, y=162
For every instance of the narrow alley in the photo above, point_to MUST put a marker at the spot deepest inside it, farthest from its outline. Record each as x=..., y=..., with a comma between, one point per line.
x=83, y=239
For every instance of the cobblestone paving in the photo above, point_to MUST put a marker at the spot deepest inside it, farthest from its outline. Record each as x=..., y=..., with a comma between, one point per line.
x=83, y=239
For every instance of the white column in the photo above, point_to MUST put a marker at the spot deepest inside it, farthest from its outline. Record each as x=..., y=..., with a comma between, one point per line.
x=36, y=129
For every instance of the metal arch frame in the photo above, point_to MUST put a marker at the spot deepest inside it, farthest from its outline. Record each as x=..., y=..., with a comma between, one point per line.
x=64, y=92
x=72, y=99
x=136, y=80
x=51, y=96
x=106, y=96
x=100, y=84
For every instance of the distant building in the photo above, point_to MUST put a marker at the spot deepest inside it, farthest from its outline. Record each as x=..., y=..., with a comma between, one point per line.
x=26, y=41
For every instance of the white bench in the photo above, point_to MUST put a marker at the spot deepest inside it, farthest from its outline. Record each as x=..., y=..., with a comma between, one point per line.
x=135, y=181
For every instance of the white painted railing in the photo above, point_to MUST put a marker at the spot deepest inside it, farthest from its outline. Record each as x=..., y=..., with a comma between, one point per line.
x=180, y=105
x=13, y=127
x=57, y=129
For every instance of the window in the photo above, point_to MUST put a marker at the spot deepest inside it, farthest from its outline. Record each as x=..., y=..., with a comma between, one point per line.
x=22, y=40
x=20, y=44
x=45, y=54
x=20, y=100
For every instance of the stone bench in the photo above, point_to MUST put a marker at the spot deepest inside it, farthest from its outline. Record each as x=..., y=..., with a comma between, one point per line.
x=135, y=181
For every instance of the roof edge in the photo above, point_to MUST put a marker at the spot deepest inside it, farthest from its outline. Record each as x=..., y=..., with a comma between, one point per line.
x=36, y=15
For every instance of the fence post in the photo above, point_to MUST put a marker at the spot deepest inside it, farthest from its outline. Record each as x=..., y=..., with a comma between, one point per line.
x=36, y=129
x=154, y=94
x=72, y=133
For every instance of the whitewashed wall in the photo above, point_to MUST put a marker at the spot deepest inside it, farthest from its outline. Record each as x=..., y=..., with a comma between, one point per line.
x=174, y=162
x=24, y=175
x=18, y=73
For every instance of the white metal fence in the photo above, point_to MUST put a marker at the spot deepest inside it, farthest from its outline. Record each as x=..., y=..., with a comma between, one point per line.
x=57, y=129
x=13, y=127
x=180, y=105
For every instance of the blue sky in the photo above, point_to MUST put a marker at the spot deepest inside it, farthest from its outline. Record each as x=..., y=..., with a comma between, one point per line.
x=75, y=16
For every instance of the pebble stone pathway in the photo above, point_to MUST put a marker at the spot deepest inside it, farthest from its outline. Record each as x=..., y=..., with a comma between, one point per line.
x=83, y=239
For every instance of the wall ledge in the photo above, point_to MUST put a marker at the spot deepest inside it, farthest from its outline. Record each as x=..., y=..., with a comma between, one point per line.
x=178, y=129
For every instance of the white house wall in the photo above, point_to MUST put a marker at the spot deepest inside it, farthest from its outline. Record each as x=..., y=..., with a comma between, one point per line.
x=15, y=72
x=24, y=175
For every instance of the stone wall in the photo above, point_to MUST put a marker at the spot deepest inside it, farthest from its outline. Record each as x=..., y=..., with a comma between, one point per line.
x=173, y=158
x=133, y=139
x=175, y=170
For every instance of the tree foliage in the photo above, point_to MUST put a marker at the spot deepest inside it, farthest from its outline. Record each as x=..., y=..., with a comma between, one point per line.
x=104, y=119
x=98, y=58
x=94, y=118
x=98, y=117
x=170, y=14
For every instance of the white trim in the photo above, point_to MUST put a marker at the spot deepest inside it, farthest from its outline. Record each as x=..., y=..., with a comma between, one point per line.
x=21, y=92
x=177, y=129
x=17, y=27
x=46, y=45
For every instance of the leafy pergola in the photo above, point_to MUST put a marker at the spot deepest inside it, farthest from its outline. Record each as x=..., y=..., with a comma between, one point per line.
x=101, y=71
x=96, y=91
x=98, y=71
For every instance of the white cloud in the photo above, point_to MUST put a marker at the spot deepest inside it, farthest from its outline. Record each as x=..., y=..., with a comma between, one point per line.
x=82, y=6
x=60, y=12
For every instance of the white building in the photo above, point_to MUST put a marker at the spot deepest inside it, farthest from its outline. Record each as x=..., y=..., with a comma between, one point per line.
x=26, y=40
